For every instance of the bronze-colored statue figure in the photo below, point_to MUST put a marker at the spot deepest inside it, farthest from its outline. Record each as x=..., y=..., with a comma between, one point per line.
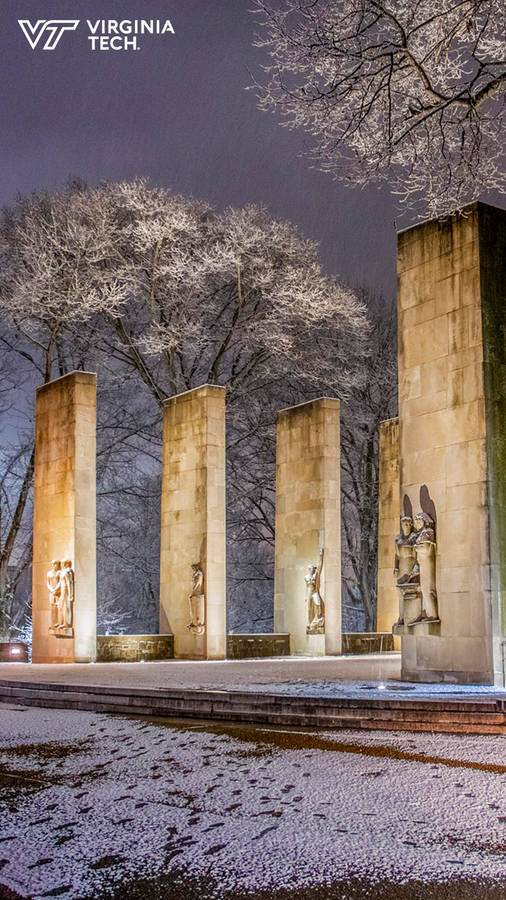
x=197, y=601
x=315, y=604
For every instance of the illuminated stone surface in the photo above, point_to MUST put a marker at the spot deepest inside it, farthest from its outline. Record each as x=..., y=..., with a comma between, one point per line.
x=253, y=646
x=355, y=642
x=452, y=407
x=308, y=518
x=193, y=520
x=64, y=517
x=388, y=524
x=134, y=647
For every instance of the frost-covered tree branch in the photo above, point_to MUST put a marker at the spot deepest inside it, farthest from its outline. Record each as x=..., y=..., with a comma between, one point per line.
x=412, y=92
x=373, y=402
x=160, y=293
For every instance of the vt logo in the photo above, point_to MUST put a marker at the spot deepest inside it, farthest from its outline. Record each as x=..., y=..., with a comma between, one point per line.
x=52, y=29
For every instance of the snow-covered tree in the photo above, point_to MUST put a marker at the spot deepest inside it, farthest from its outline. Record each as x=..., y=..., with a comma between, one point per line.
x=159, y=293
x=410, y=91
x=174, y=291
x=234, y=298
x=56, y=275
x=372, y=402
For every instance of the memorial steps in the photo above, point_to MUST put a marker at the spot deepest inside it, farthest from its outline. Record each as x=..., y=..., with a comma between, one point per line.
x=483, y=714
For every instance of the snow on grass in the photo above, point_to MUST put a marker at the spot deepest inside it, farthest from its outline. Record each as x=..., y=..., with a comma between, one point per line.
x=100, y=799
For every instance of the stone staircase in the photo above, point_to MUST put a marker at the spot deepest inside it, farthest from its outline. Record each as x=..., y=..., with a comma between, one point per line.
x=480, y=715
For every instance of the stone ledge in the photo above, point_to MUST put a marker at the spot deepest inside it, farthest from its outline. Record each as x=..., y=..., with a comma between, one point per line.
x=134, y=647
x=487, y=716
x=355, y=642
x=77, y=375
x=253, y=646
x=419, y=629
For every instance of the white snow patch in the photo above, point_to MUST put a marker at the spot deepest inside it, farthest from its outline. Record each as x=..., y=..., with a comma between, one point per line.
x=258, y=815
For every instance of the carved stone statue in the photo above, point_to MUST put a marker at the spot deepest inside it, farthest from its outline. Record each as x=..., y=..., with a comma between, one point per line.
x=415, y=569
x=67, y=594
x=197, y=601
x=53, y=586
x=425, y=548
x=315, y=604
x=406, y=567
x=60, y=584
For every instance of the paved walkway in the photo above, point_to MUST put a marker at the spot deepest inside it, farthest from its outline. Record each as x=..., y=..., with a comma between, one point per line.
x=216, y=674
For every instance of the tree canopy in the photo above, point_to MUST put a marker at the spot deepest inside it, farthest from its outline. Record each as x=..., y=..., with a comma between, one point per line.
x=160, y=293
x=413, y=92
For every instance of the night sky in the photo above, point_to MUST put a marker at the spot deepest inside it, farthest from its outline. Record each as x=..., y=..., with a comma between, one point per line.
x=177, y=111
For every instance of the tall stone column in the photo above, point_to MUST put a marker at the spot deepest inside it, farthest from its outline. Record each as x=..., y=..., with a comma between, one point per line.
x=64, y=521
x=388, y=525
x=308, y=521
x=193, y=554
x=452, y=406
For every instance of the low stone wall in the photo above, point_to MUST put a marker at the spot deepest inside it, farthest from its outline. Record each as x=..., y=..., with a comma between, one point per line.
x=252, y=646
x=134, y=647
x=149, y=647
x=368, y=642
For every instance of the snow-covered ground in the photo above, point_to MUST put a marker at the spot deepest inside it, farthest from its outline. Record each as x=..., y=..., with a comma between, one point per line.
x=91, y=801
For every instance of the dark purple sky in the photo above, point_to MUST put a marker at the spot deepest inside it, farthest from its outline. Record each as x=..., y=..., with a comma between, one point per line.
x=176, y=111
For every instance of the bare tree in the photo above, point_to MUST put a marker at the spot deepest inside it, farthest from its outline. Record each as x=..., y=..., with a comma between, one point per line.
x=166, y=287
x=373, y=402
x=15, y=537
x=56, y=276
x=160, y=294
x=235, y=298
x=16, y=471
x=410, y=91
x=53, y=282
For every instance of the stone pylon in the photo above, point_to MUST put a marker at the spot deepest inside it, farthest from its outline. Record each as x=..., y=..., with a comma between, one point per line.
x=388, y=525
x=64, y=521
x=308, y=521
x=192, y=560
x=452, y=409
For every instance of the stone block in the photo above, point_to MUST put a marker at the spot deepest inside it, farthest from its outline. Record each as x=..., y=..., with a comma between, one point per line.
x=134, y=647
x=368, y=642
x=308, y=520
x=193, y=521
x=257, y=646
x=64, y=518
x=388, y=524
x=426, y=341
x=452, y=409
